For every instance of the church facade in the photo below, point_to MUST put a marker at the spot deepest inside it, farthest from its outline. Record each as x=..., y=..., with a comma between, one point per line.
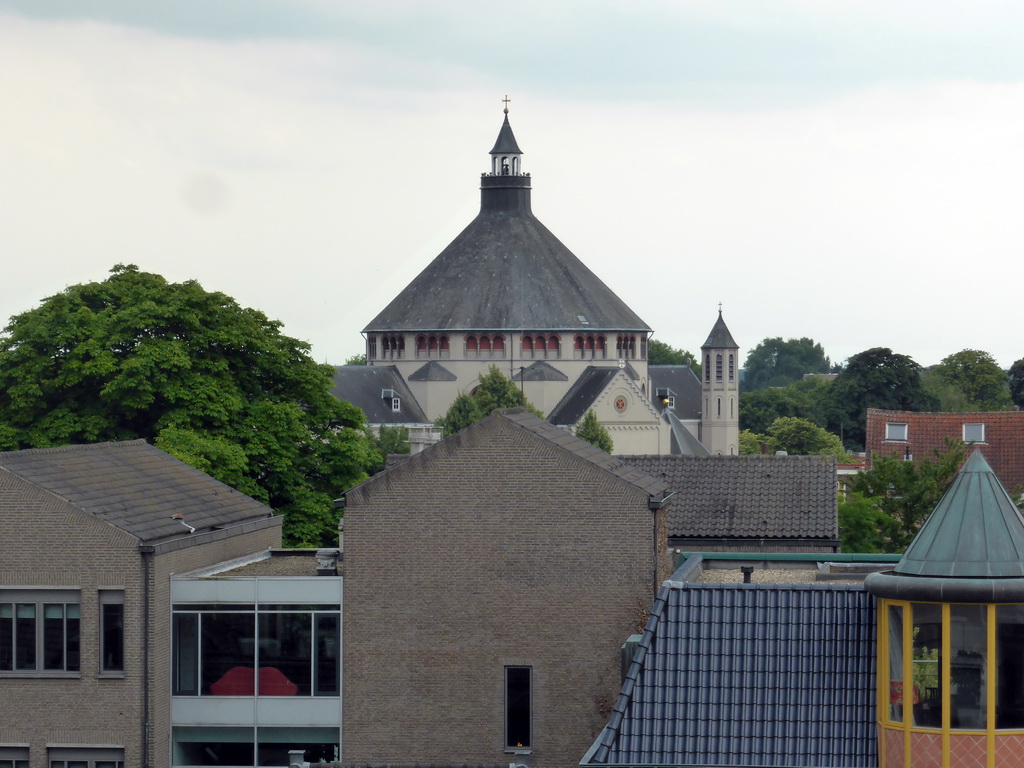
x=506, y=292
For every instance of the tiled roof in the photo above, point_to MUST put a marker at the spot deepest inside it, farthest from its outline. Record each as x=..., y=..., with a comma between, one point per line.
x=135, y=487
x=540, y=371
x=363, y=385
x=749, y=675
x=682, y=384
x=747, y=496
x=568, y=441
x=432, y=371
x=581, y=395
x=927, y=431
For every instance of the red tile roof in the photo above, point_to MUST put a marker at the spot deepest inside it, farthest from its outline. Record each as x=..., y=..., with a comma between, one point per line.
x=1003, y=446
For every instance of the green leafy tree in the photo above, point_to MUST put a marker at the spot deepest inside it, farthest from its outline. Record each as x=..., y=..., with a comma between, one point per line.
x=210, y=382
x=389, y=440
x=801, y=437
x=660, y=353
x=908, y=491
x=798, y=437
x=805, y=399
x=359, y=359
x=776, y=363
x=863, y=525
x=1015, y=379
x=875, y=378
x=594, y=432
x=976, y=374
x=494, y=391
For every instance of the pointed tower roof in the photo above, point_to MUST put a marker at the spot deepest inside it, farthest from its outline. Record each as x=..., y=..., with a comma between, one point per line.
x=506, y=143
x=975, y=531
x=720, y=338
x=506, y=271
x=971, y=548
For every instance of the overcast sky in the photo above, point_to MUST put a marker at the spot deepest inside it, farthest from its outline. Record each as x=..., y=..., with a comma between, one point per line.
x=846, y=171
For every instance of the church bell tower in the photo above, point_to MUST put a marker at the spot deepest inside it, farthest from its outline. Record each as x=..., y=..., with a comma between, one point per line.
x=720, y=392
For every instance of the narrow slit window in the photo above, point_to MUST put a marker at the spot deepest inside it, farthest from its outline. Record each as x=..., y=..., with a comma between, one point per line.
x=518, y=705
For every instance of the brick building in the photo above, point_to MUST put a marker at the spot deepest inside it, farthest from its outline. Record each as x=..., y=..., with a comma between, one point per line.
x=909, y=434
x=490, y=581
x=91, y=537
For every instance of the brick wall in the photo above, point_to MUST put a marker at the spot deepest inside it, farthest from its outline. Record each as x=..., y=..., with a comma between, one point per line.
x=492, y=548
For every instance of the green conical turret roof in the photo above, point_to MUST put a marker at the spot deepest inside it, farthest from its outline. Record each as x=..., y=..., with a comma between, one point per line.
x=976, y=531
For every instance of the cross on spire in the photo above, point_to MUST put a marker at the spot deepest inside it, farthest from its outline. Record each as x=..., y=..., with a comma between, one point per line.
x=506, y=100
x=719, y=307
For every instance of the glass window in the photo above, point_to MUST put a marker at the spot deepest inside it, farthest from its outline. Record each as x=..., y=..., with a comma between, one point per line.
x=974, y=433
x=968, y=646
x=39, y=631
x=285, y=654
x=86, y=757
x=718, y=367
x=328, y=656
x=13, y=757
x=894, y=431
x=213, y=745
x=111, y=631
x=896, y=689
x=925, y=665
x=1009, y=666
x=517, y=707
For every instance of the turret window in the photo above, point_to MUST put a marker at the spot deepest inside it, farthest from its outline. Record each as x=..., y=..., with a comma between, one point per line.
x=707, y=367
x=718, y=367
x=732, y=368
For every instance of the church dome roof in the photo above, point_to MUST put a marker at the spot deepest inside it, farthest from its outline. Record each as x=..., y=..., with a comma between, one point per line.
x=506, y=271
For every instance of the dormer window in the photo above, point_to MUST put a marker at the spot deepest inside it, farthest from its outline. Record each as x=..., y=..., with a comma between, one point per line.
x=396, y=404
x=974, y=433
x=895, y=431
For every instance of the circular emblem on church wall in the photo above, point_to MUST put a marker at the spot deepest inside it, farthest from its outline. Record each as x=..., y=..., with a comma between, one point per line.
x=620, y=403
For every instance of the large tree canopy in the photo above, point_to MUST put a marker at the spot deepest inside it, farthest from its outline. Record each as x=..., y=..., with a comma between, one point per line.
x=875, y=378
x=776, y=363
x=1016, y=381
x=213, y=383
x=978, y=376
x=804, y=399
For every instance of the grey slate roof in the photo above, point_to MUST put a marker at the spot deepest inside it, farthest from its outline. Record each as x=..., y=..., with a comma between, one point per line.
x=134, y=487
x=362, y=386
x=540, y=371
x=769, y=497
x=976, y=531
x=432, y=371
x=720, y=338
x=506, y=144
x=681, y=382
x=683, y=441
x=749, y=675
x=506, y=272
x=581, y=395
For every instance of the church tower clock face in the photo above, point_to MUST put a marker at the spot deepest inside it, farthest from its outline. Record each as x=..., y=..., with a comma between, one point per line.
x=620, y=404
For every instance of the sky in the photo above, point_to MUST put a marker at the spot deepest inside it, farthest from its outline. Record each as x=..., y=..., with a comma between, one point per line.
x=850, y=172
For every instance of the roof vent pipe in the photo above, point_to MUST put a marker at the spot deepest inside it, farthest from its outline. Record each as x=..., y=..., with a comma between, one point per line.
x=747, y=571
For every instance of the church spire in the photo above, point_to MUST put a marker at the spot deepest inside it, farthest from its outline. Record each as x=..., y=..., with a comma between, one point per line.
x=506, y=188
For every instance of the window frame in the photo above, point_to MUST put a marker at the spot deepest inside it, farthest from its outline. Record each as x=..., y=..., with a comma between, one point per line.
x=892, y=430
x=515, y=692
x=977, y=425
x=111, y=599
x=38, y=644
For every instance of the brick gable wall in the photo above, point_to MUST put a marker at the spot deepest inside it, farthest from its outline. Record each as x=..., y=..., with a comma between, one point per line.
x=1003, y=447
x=493, y=548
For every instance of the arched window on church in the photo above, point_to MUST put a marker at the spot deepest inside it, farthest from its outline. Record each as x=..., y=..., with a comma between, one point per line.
x=732, y=368
x=499, y=346
x=471, y=347
x=707, y=367
x=643, y=346
x=443, y=346
x=432, y=346
x=421, y=346
x=577, y=348
x=632, y=346
x=401, y=346
x=527, y=346
x=485, y=346
x=602, y=347
x=554, y=347
x=719, y=404
x=588, y=348
x=718, y=367
x=371, y=347
x=732, y=407
x=541, y=344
